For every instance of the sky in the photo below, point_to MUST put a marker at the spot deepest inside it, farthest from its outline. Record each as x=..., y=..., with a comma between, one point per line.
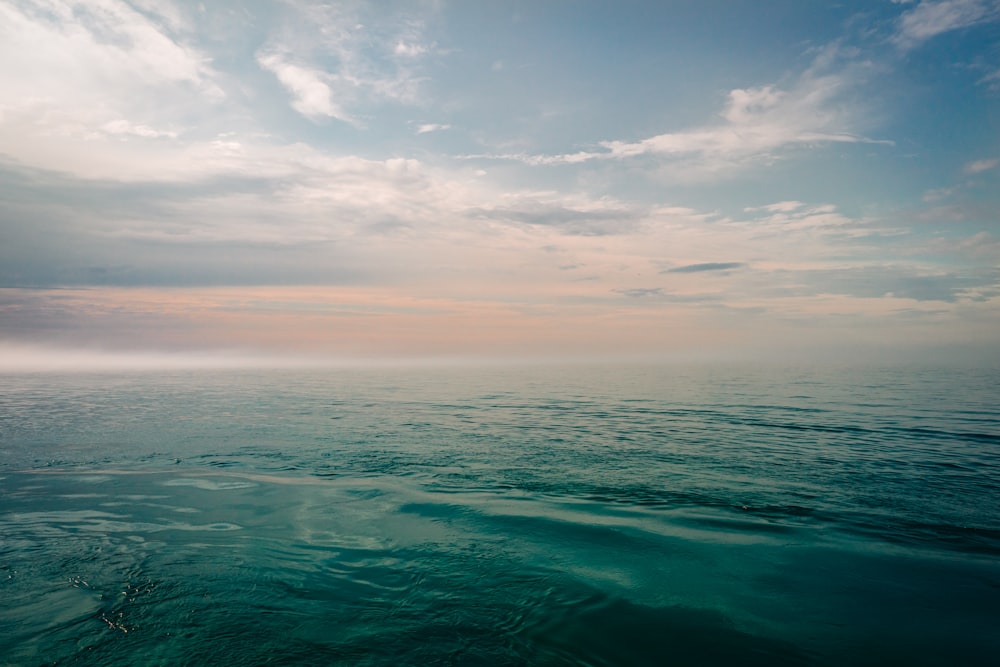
x=447, y=179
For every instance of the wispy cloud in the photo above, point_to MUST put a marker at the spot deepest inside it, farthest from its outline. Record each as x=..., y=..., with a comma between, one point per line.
x=335, y=58
x=777, y=207
x=991, y=80
x=432, y=127
x=929, y=19
x=74, y=73
x=311, y=95
x=705, y=266
x=409, y=50
x=979, y=166
x=757, y=125
x=757, y=121
x=106, y=42
x=571, y=214
x=122, y=127
x=937, y=194
x=641, y=292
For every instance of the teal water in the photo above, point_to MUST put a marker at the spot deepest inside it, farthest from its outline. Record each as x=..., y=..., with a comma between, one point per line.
x=615, y=515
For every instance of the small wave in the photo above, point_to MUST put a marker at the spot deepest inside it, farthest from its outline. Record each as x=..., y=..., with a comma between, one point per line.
x=209, y=484
x=964, y=539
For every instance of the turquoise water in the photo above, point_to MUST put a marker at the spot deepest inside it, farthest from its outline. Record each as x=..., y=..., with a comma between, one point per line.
x=614, y=515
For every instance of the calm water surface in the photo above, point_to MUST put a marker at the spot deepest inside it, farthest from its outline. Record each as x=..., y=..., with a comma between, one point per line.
x=614, y=515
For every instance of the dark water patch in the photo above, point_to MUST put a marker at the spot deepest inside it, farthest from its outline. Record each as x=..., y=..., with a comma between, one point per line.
x=641, y=496
x=617, y=632
x=721, y=525
x=928, y=433
x=967, y=539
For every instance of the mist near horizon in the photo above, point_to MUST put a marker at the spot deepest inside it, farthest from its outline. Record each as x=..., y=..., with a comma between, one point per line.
x=21, y=358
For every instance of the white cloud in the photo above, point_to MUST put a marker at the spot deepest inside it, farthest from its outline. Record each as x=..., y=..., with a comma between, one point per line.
x=777, y=207
x=168, y=12
x=979, y=166
x=991, y=80
x=311, y=96
x=432, y=127
x=758, y=122
x=929, y=19
x=757, y=125
x=784, y=217
x=73, y=69
x=937, y=194
x=409, y=50
x=122, y=127
x=570, y=213
x=334, y=60
x=106, y=40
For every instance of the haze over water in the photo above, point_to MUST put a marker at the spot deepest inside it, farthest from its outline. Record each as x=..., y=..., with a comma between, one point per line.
x=601, y=515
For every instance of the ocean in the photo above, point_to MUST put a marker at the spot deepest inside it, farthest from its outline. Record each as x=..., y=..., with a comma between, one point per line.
x=487, y=515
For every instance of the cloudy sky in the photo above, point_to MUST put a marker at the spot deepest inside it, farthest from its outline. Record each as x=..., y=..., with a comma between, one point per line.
x=675, y=178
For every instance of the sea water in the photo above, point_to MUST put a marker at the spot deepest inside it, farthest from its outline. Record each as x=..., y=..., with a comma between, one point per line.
x=547, y=515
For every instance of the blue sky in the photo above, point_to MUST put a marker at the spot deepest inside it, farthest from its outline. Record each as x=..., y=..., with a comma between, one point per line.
x=354, y=179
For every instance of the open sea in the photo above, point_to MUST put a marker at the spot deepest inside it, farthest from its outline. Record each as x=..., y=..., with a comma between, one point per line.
x=490, y=515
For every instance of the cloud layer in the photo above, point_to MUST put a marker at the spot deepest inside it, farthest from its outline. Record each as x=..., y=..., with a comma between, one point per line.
x=362, y=178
